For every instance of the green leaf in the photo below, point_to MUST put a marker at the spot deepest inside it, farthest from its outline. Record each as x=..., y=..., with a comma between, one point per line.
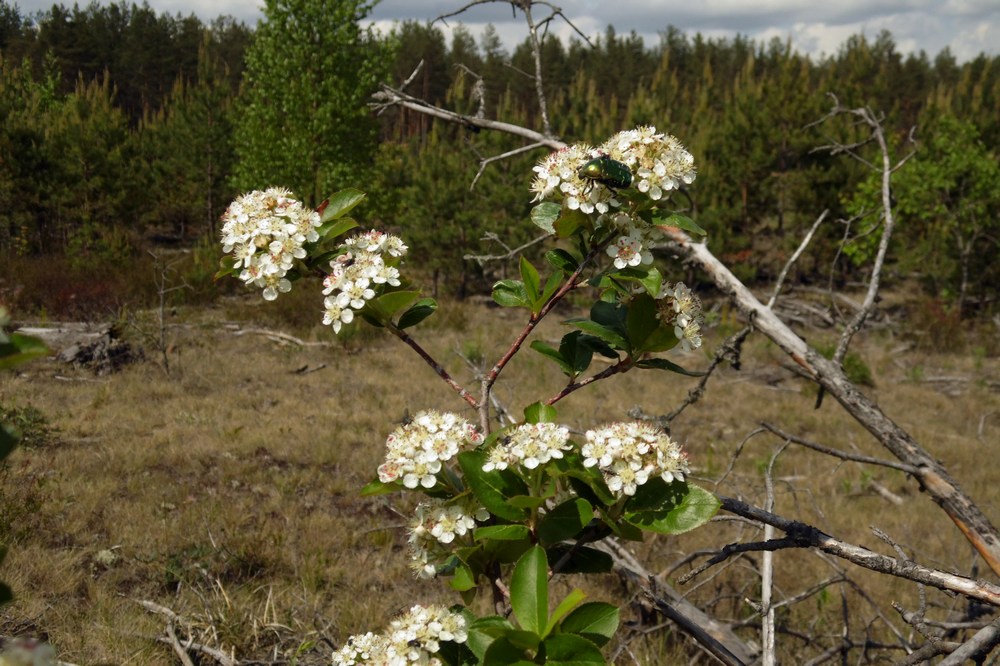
x=570, y=650
x=335, y=228
x=551, y=287
x=562, y=260
x=376, y=487
x=511, y=294
x=419, y=311
x=538, y=412
x=582, y=559
x=529, y=591
x=565, y=521
x=544, y=216
x=20, y=348
x=575, y=348
x=504, y=653
x=671, y=508
x=463, y=579
x=392, y=302
x=527, y=501
x=681, y=222
x=341, y=203
x=664, y=364
x=570, y=222
x=571, y=601
x=648, y=276
x=596, y=621
x=548, y=350
x=9, y=437
x=646, y=330
x=532, y=281
x=502, y=532
x=608, y=335
x=483, y=631
x=493, y=489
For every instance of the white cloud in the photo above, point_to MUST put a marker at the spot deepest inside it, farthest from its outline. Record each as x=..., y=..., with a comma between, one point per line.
x=968, y=27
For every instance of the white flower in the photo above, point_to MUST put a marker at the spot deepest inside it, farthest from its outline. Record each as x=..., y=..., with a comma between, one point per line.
x=630, y=453
x=416, y=450
x=529, y=445
x=265, y=231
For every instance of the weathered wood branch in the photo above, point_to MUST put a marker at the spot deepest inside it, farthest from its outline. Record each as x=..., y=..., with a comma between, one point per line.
x=929, y=473
x=714, y=636
x=801, y=535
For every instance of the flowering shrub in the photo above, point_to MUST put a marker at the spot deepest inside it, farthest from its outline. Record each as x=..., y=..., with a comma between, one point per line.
x=506, y=508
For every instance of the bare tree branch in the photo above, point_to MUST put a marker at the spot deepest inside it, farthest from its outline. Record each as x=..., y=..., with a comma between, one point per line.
x=802, y=535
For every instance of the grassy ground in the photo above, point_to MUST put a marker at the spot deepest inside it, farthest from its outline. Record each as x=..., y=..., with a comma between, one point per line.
x=228, y=490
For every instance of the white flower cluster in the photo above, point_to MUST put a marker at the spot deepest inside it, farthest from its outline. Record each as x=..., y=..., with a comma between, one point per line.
x=658, y=162
x=265, y=231
x=630, y=453
x=679, y=306
x=435, y=524
x=415, y=451
x=412, y=640
x=634, y=247
x=355, y=274
x=530, y=445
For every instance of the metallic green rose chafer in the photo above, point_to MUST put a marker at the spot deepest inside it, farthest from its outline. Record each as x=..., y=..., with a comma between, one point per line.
x=607, y=172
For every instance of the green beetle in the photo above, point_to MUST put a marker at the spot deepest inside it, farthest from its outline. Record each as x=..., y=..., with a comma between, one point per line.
x=608, y=172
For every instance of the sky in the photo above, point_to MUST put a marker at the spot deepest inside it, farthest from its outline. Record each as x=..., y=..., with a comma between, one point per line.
x=967, y=27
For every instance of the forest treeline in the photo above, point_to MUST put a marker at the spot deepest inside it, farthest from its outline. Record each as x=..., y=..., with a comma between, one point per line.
x=123, y=127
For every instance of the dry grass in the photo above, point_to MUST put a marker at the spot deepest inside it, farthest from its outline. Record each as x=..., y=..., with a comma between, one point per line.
x=227, y=492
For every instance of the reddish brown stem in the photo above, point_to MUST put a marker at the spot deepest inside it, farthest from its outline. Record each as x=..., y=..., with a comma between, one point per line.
x=621, y=366
x=437, y=367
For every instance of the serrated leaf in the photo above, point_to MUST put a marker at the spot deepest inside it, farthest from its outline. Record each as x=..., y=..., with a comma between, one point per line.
x=664, y=364
x=681, y=222
x=562, y=260
x=671, y=508
x=564, y=521
x=341, y=203
x=501, y=532
x=419, y=311
x=538, y=412
x=596, y=621
x=511, y=294
x=492, y=489
x=544, y=216
x=529, y=591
